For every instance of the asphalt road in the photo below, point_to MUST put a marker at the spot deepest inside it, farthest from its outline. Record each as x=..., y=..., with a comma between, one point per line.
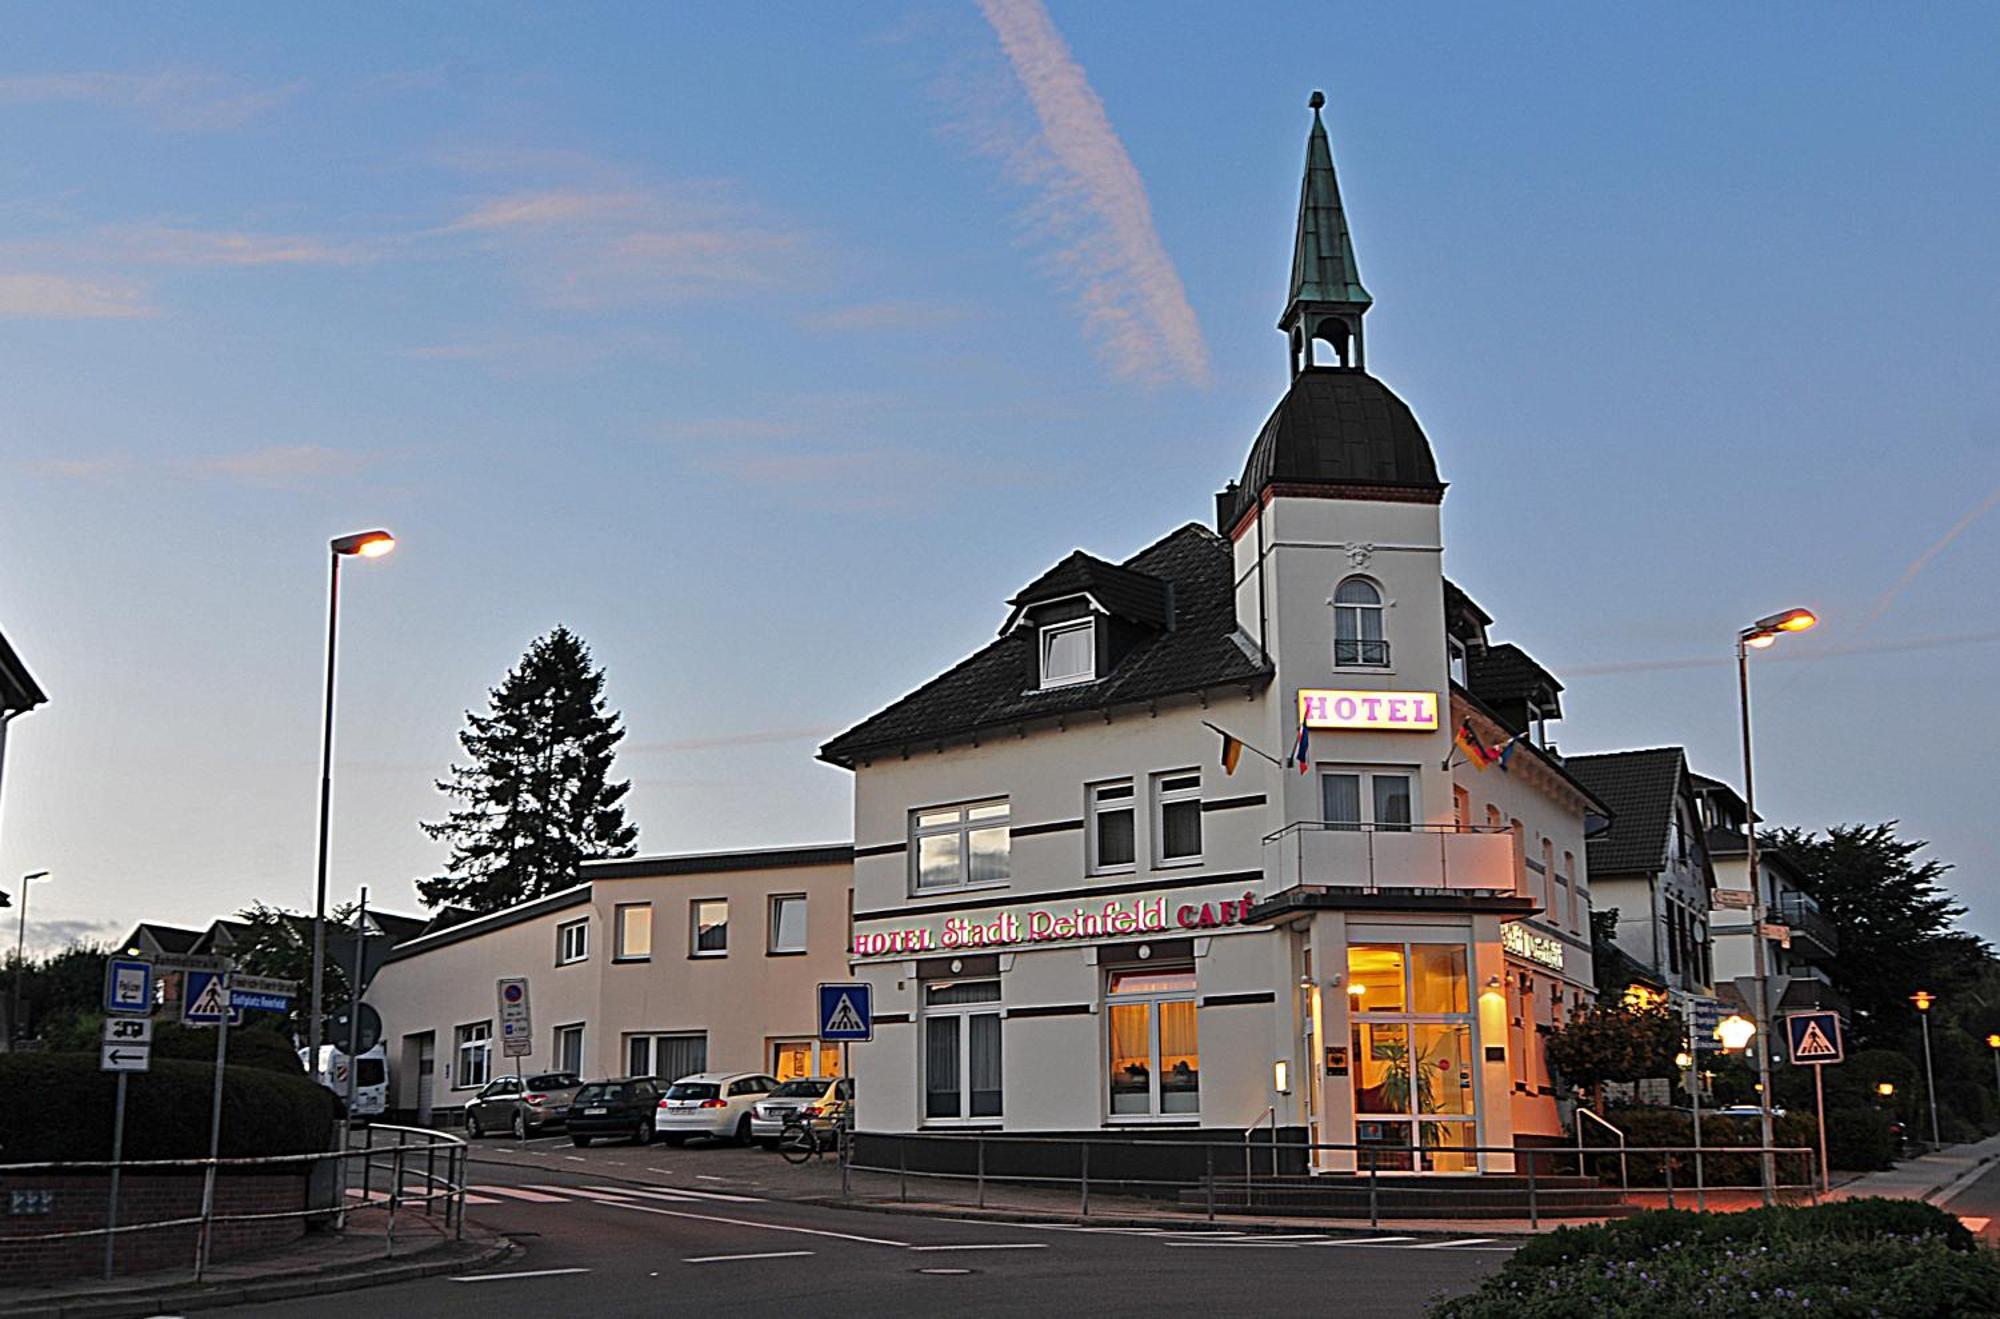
x=1978, y=1206
x=618, y=1230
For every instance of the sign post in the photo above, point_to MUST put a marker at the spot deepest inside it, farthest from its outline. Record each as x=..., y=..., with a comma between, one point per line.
x=1814, y=1038
x=218, y=994
x=127, y=1048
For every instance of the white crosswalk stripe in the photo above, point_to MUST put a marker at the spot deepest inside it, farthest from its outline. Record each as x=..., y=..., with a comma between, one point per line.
x=518, y=1193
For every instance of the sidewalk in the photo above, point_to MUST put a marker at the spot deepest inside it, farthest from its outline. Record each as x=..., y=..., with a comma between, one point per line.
x=318, y=1262
x=1923, y=1178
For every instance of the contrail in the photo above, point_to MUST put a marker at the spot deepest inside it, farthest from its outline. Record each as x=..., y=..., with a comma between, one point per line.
x=1777, y=657
x=1132, y=298
x=1923, y=561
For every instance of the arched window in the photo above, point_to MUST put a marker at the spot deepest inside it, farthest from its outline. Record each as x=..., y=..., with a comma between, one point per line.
x=1357, y=625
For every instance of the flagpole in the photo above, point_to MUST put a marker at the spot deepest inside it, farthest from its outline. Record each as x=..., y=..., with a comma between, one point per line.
x=1265, y=755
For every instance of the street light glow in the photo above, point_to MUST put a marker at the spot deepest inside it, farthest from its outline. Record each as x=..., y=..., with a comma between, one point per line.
x=1993, y=1041
x=1884, y=1089
x=1735, y=1031
x=1760, y=640
x=1923, y=998
x=367, y=544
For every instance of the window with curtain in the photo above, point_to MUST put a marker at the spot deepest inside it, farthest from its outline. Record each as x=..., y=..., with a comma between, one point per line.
x=1365, y=797
x=1069, y=653
x=475, y=1055
x=962, y=1056
x=1177, y=817
x=1154, y=1063
x=569, y=1048
x=1111, y=827
x=959, y=846
x=1357, y=625
x=708, y=920
x=634, y=922
x=667, y=1057
x=572, y=942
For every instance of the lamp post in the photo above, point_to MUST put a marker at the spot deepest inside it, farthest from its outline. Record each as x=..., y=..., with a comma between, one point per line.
x=1993, y=1043
x=21, y=958
x=1923, y=998
x=367, y=545
x=1757, y=636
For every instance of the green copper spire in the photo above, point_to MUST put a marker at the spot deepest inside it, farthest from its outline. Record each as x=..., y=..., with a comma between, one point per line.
x=1327, y=299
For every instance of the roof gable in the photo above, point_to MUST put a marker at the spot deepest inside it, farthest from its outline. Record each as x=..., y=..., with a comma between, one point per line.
x=1137, y=597
x=1640, y=788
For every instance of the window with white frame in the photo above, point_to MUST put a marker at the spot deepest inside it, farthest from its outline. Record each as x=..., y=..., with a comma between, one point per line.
x=1357, y=625
x=1177, y=817
x=708, y=927
x=569, y=1048
x=1354, y=797
x=1069, y=653
x=634, y=922
x=475, y=1055
x=961, y=1050
x=1154, y=1057
x=1111, y=825
x=788, y=923
x=1459, y=663
x=667, y=1057
x=572, y=942
x=959, y=846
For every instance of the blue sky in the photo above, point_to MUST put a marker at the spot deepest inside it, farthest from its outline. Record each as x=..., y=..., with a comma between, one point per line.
x=771, y=348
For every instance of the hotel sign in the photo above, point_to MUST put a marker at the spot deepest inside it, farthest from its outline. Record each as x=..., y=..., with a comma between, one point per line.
x=1028, y=925
x=1521, y=941
x=1391, y=712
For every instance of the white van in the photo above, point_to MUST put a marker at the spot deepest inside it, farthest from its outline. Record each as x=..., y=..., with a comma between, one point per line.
x=371, y=1081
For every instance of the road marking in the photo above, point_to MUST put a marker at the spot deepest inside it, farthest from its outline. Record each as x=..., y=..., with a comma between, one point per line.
x=582, y=1191
x=472, y=1199
x=627, y=1192
x=768, y=1254
x=1231, y=1245
x=997, y=1245
x=751, y=1222
x=509, y=1277
x=1365, y=1241
x=516, y=1193
x=576, y=1158
x=1447, y=1245
x=688, y=1192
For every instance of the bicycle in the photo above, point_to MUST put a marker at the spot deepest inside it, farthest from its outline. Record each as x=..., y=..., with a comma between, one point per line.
x=802, y=1138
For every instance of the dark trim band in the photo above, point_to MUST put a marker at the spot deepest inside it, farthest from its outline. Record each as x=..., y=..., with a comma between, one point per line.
x=1052, y=1010
x=1234, y=1000
x=1052, y=827
x=892, y=1019
x=1232, y=803
x=1063, y=895
x=880, y=849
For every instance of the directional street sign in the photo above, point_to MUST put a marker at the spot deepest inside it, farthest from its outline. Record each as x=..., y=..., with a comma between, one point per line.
x=128, y=1030
x=128, y=986
x=1814, y=1037
x=125, y=1058
x=517, y=1035
x=204, y=1002
x=1706, y=1014
x=192, y=962
x=266, y=993
x=846, y=1013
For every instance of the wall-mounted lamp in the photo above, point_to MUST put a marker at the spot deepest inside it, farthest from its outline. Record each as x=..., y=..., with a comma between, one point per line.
x=1281, y=1076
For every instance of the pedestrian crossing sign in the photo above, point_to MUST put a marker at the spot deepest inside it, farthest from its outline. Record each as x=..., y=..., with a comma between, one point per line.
x=846, y=1013
x=206, y=1002
x=1814, y=1037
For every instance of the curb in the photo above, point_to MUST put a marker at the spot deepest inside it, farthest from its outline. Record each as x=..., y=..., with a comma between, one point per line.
x=325, y=1278
x=1242, y=1226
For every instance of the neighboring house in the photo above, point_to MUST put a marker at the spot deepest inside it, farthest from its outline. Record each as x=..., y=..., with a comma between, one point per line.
x=1652, y=864
x=653, y=966
x=1799, y=941
x=1077, y=919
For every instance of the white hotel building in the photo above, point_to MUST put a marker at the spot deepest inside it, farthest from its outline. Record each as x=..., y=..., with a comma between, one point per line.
x=1075, y=921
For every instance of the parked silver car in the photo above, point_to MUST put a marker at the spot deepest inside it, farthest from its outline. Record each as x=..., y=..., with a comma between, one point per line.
x=769, y=1116
x=521, y=1105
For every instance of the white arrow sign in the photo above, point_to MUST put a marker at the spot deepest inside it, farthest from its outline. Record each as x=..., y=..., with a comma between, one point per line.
x=125, y=1058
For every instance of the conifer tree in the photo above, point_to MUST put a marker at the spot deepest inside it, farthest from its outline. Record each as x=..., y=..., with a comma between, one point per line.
x=536, y=798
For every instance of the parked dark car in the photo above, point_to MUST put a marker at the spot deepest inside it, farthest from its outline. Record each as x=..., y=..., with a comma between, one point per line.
x=522, y=1105
x=618, y=1109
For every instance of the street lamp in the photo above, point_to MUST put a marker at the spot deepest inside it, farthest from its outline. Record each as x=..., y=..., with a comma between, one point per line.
x=1923, y=998
x=1886, y=1089
x=366, y=545
x=1760, y=634
x=1993, y=1043
x=21, y=956
x=1735, y=1031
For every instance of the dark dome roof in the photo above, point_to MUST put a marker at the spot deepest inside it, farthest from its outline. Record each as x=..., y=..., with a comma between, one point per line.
x=1335, y=427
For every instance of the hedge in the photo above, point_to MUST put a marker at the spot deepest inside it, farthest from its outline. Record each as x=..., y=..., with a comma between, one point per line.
x=1850, y=1257
x=59, y=1107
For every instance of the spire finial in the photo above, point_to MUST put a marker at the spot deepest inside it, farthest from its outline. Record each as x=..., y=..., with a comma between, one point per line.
x=1316, y=100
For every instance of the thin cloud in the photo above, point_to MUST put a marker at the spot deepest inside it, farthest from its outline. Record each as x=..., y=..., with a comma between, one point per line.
x=286, y=464
x=61, y=298
x=888, y=315
x=1940, y=642
x=1093, y=203
x=545, y=208
x=170, y=245
x=176, y=101
x=84, y=469
x=729, y=740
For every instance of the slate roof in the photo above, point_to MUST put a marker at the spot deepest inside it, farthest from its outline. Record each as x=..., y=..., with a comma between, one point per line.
x=170, y=939
x=1336, y=426
x=1507, y=673
x=996, y=688
x=1137, y=596
x=18, y=691
x=1639, y=787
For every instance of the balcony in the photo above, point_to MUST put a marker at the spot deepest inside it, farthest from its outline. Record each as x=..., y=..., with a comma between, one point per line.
x=1371, y=859
x=1813, y=934
x=1361, y=654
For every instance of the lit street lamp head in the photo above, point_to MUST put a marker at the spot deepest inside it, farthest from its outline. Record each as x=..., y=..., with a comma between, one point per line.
x=1885, y=1089
x=1923, y=998
x=1766, y=630
x=1736, y=1031
x=367, y=544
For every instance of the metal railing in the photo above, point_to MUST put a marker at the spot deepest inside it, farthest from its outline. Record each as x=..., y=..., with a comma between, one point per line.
x=1371, y=857
x=1624, y=1171
x=1361, y=653
x=422, y=1171
x=1807, y=921
x=1530, y=1163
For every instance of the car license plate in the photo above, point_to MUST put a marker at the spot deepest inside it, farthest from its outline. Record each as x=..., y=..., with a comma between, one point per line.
x=594, y=1112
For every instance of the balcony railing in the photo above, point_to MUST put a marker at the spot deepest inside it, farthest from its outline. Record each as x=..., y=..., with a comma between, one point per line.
x=1813, y=934
x=1376, y=857
x=1361, y=654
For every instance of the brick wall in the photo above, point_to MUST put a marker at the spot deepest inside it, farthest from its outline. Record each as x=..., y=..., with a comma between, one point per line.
x=80, y=1200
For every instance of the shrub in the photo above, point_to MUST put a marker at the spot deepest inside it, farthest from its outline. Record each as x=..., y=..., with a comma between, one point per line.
x=1646, y=1234
x=1859, y=1138
x=1647, y=1126
x=59, y=1107
x=255, y=1045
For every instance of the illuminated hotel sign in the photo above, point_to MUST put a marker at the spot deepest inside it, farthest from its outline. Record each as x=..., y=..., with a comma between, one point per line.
x=1392, y=712
x=1198, y=911
x=1523, y=942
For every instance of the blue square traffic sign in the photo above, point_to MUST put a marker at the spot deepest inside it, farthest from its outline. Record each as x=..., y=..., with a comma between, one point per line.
x=1814, y=1037
x=128, y=986
x=204, y=1002
x=846, y=1013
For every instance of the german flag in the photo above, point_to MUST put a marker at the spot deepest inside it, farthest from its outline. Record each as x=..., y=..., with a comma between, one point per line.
x=1232, y=751
x=1476, y=753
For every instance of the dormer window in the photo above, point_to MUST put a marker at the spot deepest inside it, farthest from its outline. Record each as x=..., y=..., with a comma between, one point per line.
x=1357, y=625
x=1456, y=650
x=1069, y=653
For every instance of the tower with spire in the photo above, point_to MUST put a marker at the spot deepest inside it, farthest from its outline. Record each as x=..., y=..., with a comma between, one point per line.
x=1327, y=300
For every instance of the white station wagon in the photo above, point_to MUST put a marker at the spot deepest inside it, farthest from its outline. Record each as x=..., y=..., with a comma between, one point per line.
x=713, y=1104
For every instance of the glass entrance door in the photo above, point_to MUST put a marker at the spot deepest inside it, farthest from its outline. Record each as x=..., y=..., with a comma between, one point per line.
x=1414, y=1094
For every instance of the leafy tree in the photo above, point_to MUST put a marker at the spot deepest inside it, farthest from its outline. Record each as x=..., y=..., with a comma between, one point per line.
x=1614, y=1043
x=280, y=944
x=537, y=797
x=58, y=989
